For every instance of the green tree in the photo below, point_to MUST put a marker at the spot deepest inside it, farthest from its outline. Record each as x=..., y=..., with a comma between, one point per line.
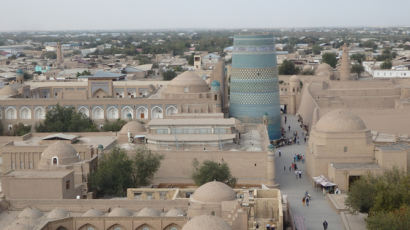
x=113, y=126
x=386, y=64
x=20, y=129
x=380, y=193
x=398, y=219
x=113, y=175
x=116, y=171
x=66, y=119
x=316, y=49
x=357, y=68
x=288, y=68
x=359, y=57
x=145, y=164
x=210, y=171
x=49, y=55
x=190, y=59
x=84, y=73
x=329, y=58
x=169, y=75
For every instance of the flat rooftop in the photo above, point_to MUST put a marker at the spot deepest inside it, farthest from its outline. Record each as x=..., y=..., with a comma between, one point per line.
x=39, y=173
x=355, y=166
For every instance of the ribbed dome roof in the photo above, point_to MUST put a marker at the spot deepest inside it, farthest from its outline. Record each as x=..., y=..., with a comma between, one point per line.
x=205, y=222
x=93, y=213
x=149, y=212
x=175, y=212
x=8, y=91
x=57, y=213
x=340, y=121
x=31, y=213
x=214, y=191
x=133, y=127
x=188, y=79
x=119, y=212
x=65, y=153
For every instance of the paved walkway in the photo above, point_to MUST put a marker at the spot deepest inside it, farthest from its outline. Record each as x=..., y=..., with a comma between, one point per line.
x=319, y=208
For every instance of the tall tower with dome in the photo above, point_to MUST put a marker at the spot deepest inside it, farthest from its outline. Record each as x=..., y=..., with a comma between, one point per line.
x=254, y=82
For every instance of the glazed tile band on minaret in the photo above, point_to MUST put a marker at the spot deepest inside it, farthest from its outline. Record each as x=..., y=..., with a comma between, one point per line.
x=254, y=82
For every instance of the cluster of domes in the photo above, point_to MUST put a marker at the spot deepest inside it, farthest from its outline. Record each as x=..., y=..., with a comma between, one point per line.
x=133, y=127
x=187, y=82
x=340, y=120
x=213, y=192
x=63, y=152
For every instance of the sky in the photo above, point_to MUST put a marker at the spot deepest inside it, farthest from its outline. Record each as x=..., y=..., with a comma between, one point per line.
x=32, y=15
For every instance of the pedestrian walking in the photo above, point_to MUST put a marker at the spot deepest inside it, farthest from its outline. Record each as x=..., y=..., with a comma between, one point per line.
x=280, y=153
x=303, y=201
x=325, y=224
x=305, y=139
x=296, y=173
x=286, y=119
x=284, y=168
x=300, y=174
x=290, y=168
x=307, y=201
x=289, y=127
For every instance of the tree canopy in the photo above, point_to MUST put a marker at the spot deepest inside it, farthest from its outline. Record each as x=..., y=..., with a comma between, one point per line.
x=288, y=68
x=329, y=58
x=386, y=64
x=66, y=119
x=145, y=164
x=359, y=57
x=169, y=75
x=113, y=126
x=116, y=171
x=210, y=171
x=113, y=175
x=385, y=198
x=357, y=68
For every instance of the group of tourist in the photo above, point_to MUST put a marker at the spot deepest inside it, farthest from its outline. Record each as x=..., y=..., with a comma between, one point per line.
x=299, y=157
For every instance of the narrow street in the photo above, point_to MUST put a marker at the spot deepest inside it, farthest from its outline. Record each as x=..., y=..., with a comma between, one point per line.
x=319, y=208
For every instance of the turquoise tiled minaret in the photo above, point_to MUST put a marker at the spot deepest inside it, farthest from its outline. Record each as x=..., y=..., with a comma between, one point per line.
x=254, y=82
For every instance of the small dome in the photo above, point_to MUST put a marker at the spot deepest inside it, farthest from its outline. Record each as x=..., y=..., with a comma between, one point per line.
x=294, y=78
x=8, y=91
x=19, y=71
x=175, y=212
x=307, y=68
x=118, y=212
x=187, y=82
x=149, y=212
x=93, y=213
x=213, y=192
x=31, y=213
x=65, y=153
x=133, y=127
x=340, y=121
x=215, y=83
x=206, y=222
x=57, y=213
x=323, y=68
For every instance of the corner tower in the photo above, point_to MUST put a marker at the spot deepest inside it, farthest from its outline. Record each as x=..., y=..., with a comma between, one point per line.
x=254, y=82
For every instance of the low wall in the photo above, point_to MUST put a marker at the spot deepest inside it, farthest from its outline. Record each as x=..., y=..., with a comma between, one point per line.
x=177, y=167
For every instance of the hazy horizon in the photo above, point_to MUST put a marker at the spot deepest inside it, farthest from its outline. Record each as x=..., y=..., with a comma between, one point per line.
x=103, y=15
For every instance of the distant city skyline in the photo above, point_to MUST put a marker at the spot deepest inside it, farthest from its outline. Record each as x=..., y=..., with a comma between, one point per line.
x=28, y=15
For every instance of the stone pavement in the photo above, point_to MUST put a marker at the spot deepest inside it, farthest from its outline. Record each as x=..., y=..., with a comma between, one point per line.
x=319, y=208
